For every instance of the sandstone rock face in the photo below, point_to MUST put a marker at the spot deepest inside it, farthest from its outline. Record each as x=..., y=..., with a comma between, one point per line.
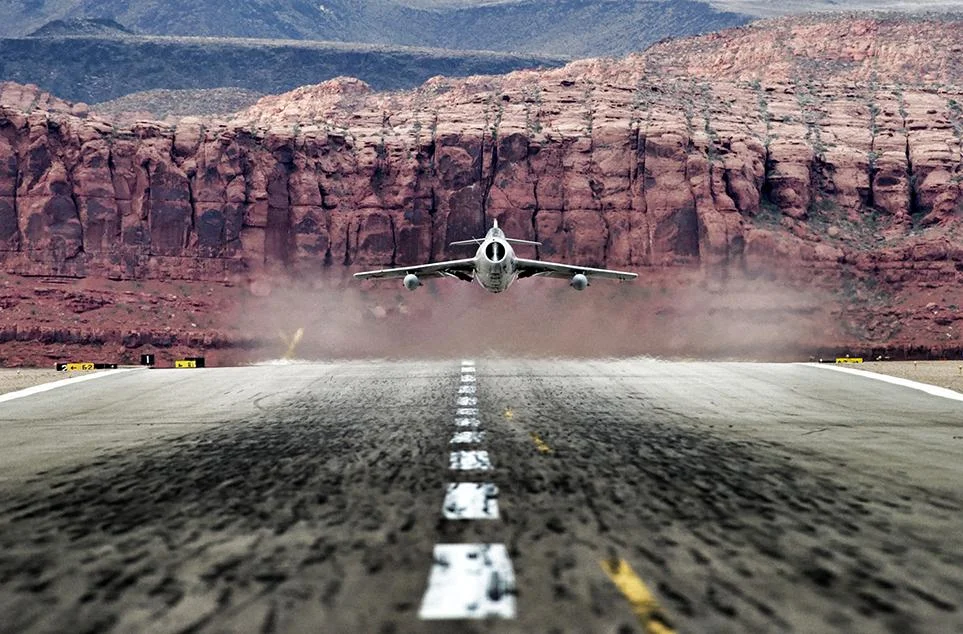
x=651, y=161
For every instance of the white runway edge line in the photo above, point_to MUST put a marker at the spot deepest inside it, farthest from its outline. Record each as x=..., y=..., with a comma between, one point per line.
x=922, y=387
x=470, y=581
x=470, y=501
x=46, y=387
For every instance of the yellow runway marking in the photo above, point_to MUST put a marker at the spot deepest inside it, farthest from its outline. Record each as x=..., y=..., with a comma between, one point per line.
x=540, y=444
x=291, y=343
x=643, y=603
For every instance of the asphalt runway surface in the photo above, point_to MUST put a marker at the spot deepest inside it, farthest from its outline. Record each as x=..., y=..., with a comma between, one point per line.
x=309, y=498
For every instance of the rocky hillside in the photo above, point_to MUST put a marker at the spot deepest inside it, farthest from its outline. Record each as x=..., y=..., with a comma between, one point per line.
x=844, y=47
x=573, y=28
x=768, y=8
x=845, y=189
x=94, y=69
x=173, y=104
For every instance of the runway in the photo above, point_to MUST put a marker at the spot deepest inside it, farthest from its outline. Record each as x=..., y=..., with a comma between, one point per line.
x=327, y=497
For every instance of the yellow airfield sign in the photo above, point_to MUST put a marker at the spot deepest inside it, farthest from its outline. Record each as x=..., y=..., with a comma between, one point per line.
x=79, y=367
x=849, y=360
x=185, y=363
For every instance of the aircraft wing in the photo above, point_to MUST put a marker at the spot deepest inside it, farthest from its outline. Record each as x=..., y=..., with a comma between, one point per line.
x=531, y=268
x=462, y=269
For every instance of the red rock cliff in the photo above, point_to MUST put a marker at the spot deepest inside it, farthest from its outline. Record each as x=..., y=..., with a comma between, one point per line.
x=837, y=164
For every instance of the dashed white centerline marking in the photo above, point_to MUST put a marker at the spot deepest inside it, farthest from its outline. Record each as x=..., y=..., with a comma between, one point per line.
x=470, y=581
x=467, y=437
x=467, y=368
x=469, y=461
x=468, y=362
x=466, y=389
x=467, y=378
x=471, y=501
x=467, y=422
x=466, y=401
x=466, y=411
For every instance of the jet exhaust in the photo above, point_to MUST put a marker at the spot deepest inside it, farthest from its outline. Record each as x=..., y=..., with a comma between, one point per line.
x=412, y=282
x=579, y=282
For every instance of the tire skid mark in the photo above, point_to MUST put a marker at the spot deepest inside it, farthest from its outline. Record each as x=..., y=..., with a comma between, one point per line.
x=220, y=528
x=634, y=467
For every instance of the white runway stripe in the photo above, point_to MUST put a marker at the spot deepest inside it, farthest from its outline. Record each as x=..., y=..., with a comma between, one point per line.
x=470, y=501
x=467, y=422
x=467, y=378
x=467, y=362
x=465, y=369
x=467, y=437
x=470, y=581
x=46, y=387
x=466, y=389
x=469, y=461
x=466, y=411
x=922, y=387
x=466, y=401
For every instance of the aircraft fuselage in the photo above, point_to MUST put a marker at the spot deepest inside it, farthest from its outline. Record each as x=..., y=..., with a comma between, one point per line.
x=495, y=266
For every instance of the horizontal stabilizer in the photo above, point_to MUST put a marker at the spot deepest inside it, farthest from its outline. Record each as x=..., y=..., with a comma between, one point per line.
x=464, y=242
x=531, y=242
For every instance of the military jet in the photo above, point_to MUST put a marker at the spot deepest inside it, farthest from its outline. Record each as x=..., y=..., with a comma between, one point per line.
x=495, y=266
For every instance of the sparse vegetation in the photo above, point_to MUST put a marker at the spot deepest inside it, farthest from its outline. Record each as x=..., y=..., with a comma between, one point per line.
x=812, y=114
x=532, y=98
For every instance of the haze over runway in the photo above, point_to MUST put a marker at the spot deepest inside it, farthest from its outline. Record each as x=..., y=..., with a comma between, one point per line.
x=350, y=496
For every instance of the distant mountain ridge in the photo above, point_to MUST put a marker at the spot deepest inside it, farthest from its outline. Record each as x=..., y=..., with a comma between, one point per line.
x=574, y=28
x=94, y=69
x=81, y=26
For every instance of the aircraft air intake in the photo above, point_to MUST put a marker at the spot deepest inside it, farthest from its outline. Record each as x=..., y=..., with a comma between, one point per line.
x=495, y=251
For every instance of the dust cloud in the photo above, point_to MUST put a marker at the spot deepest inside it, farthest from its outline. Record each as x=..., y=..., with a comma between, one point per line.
x=656, y=315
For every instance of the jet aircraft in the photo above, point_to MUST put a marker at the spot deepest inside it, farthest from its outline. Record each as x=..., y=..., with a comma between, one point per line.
x=495, y=267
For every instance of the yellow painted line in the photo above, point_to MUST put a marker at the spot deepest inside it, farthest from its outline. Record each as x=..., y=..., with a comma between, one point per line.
x=540, y=444
x=292, y=342
x=643, y=602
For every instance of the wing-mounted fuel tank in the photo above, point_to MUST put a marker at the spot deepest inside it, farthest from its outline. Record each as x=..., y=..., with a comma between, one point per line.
x=412, y=282
x=579, y=282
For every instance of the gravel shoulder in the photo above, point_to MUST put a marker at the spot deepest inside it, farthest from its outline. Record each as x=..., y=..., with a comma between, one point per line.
x=948, y=374
x=12, y=380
